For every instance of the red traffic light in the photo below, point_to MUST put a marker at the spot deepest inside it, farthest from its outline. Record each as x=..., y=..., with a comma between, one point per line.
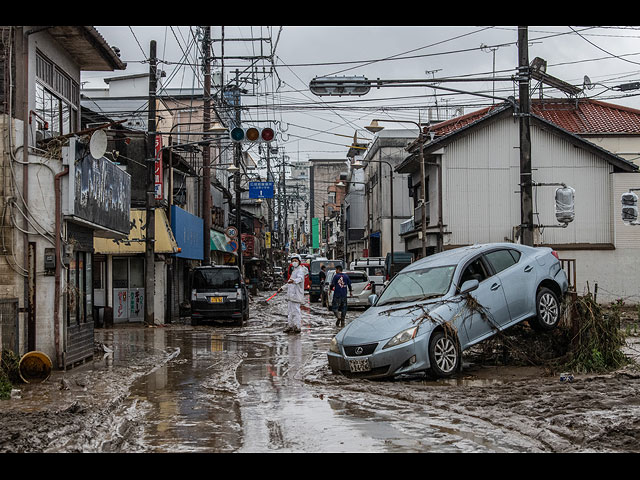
x=267, y=134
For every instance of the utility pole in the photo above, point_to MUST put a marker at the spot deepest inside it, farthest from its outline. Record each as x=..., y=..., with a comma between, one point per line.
x=206, y=152
x=270, y=208
x=526, y=188
x=150, y=270
x=238, y=159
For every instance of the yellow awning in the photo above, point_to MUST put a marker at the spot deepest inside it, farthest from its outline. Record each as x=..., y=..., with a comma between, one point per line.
x=135, y=242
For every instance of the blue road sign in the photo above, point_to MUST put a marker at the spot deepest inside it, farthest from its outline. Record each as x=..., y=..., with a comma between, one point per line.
x=260, y=189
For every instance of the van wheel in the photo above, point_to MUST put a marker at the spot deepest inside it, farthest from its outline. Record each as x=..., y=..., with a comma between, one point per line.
x=444, y=354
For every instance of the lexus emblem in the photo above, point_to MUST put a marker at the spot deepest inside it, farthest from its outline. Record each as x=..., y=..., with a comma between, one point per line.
x=359, y=350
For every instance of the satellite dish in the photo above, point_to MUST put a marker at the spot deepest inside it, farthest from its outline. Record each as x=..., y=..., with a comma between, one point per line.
x=587, y=83
x=98, y=144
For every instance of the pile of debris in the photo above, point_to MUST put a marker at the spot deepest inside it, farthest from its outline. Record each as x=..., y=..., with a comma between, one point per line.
x=587, y=340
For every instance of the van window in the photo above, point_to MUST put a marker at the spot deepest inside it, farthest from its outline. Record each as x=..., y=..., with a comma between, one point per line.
x=216, y=278
x=357, y=277
x=372, y=271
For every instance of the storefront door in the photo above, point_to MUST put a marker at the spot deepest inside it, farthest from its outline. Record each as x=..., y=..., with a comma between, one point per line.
x=128, y=289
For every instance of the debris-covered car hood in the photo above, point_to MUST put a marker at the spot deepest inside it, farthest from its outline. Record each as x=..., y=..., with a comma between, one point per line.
x=382, y=323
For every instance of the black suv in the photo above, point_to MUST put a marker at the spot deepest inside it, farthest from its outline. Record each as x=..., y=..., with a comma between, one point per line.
x=218, y=293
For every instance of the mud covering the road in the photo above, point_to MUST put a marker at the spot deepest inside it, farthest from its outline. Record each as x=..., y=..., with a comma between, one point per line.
x=75, y=410
x=500, y=402
x=503, y=408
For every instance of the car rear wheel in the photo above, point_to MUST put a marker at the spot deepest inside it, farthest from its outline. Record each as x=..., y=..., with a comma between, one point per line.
x=444, y=354
x=548, y=310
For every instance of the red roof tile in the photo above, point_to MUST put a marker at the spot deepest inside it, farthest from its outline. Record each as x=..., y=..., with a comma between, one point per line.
x=584, y=117
x=580, y=117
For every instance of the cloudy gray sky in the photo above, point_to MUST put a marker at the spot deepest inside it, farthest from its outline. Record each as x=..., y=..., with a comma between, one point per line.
x=319, y=127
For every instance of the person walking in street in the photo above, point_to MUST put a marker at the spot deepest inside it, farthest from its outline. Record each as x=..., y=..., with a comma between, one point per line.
x=295, y=295
x=340, y=283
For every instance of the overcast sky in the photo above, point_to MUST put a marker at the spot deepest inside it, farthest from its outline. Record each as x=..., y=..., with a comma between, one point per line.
x=318, y=127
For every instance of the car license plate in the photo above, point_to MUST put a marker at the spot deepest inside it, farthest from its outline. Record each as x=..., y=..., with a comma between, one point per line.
x=215, y=299
x=359, y=365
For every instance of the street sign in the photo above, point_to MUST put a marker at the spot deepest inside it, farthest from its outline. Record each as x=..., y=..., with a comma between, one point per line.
x=232, y=232
x=260, y=189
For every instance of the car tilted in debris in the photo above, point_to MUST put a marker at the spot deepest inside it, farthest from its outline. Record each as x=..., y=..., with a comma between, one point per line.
x=441, y=305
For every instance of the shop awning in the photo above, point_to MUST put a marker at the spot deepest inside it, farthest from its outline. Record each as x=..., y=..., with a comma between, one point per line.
x=135, y=241
x=220, y=242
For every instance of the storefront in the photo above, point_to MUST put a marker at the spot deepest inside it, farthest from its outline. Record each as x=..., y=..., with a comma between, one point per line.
x=188, y=230
x=95, y=203
x=121, y=265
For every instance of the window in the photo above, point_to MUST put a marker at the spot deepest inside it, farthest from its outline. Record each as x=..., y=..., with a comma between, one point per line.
x=57, y=100
x=474, y=271
x=501, y=259
x=79, y=291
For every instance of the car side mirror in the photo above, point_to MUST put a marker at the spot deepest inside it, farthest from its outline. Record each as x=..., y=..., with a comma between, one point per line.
x=372, y=299
x=469, y=286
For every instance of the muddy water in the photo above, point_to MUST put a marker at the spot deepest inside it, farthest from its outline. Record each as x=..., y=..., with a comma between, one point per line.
x=257, y=389
x=243, y=390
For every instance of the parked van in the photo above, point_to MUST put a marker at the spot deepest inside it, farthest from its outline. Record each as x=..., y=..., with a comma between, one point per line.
x=374, y=267
x=218, y=293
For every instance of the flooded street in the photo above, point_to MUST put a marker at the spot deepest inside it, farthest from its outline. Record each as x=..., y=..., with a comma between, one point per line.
x=222, y=389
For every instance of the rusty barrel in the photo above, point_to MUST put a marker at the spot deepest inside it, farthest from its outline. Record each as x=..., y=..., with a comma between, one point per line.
x=34, y=367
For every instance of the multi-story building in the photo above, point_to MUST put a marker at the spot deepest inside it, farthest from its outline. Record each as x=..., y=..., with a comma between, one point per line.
x=59, y=191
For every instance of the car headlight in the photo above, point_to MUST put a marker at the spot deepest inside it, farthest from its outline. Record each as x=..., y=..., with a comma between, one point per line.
x=402, y=337
x=334, y=346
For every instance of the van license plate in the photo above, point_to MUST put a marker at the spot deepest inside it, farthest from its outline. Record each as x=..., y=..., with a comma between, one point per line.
x=215, y=299
x=359, y=365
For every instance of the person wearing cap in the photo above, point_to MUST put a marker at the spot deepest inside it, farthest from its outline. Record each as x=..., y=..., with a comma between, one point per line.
x=295, y=295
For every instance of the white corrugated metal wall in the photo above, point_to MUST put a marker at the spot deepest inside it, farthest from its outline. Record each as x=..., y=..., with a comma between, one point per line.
x=480, y=185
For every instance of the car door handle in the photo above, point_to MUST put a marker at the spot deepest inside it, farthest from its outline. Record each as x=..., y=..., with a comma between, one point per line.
x=495, y=286
x=528, y=268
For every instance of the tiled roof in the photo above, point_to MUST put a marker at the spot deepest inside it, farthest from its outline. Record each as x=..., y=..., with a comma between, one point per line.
x=583, y=117
x=580, y=117
x=443, y=128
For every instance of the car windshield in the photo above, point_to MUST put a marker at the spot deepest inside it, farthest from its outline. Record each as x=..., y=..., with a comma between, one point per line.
x=418, y=285
x=216, y=278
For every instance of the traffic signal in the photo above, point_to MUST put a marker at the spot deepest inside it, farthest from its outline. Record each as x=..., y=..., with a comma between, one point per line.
x=237, y=134
x=629, y=208
x=267, y=134
x=252, y=134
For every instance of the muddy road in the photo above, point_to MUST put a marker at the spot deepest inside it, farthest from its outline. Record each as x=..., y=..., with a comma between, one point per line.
x=216, y=388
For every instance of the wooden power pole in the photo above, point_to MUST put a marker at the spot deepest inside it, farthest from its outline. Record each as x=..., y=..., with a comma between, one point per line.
x=150, y=271
x=526, y=186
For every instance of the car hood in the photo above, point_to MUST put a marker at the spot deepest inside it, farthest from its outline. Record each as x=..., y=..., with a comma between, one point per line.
x=382, y=323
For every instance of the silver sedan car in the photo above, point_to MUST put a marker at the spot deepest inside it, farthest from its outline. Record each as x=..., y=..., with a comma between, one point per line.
x=441, y=305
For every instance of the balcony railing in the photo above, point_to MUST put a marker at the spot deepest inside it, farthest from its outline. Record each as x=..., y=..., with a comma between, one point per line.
x=407, y=226
x=417, y=214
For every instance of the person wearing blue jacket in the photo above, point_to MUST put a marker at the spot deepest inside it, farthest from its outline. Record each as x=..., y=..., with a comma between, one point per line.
x=340, y=283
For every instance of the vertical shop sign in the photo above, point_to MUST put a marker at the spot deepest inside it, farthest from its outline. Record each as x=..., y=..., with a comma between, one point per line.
x=158, y=168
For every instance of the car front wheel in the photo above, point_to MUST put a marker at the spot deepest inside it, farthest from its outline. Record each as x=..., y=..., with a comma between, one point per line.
x=547, y=309
x=444, y=354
